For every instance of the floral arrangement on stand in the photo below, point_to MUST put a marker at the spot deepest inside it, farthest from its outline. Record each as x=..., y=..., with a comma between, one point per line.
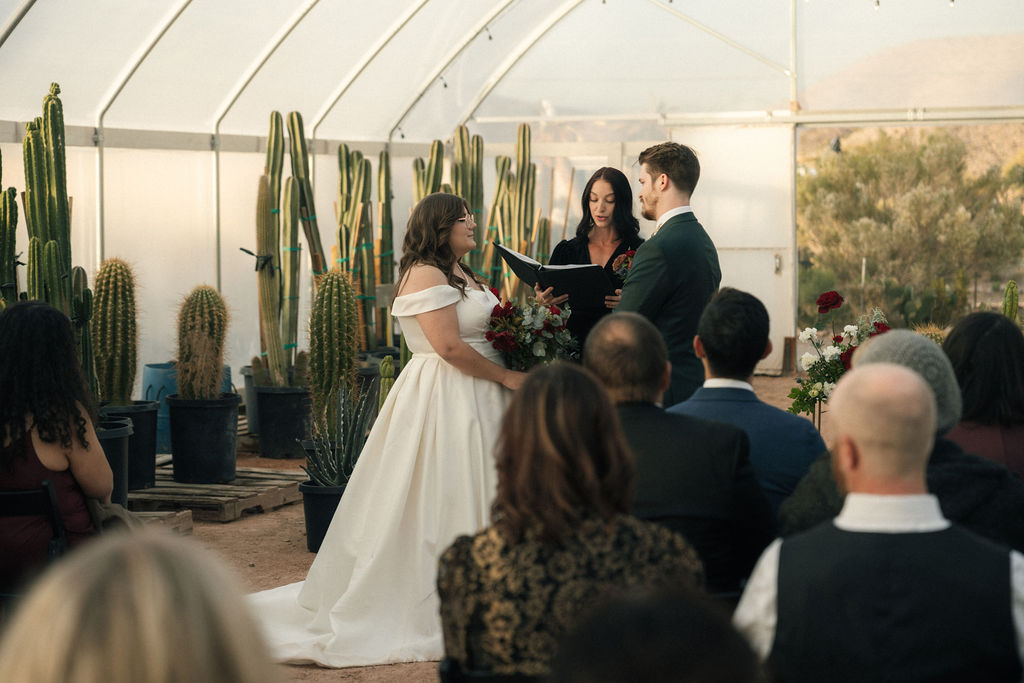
x=831, y=356
x=623, y=262
x=530, y=335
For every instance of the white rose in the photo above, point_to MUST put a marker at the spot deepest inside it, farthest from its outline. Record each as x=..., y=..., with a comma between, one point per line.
x=807, y=360
x=831, y=352
x=808, y=334
x=538, y=348
x=827, y=388
x=850, y=331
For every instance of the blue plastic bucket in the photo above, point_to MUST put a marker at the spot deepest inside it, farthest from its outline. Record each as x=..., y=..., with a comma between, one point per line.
x=159, y=380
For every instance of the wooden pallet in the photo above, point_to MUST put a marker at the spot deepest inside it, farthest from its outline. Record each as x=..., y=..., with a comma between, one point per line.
x=253, y=489
x=178, y=521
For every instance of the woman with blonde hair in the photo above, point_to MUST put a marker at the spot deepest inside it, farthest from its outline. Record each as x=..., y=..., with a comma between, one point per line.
x=425, y=475
x=561, y=539
x=136, y=608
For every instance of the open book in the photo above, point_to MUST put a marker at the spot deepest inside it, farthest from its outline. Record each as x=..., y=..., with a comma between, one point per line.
x=586, y=284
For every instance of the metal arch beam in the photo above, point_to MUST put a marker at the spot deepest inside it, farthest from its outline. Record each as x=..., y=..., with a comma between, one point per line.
x=721, y=36
x=452, y=56
x=112, y=95
x=353, y=75
x=19, y=14
x=496, y=77
x=230, y=101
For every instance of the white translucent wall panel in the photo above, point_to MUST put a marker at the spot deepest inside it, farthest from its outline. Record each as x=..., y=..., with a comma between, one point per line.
x=319, y=56
x=194, y=67
x=82, y=191
x=910, y=53
x=159, y=217
x=744, y=199
x=593, y=62
x=81, y=45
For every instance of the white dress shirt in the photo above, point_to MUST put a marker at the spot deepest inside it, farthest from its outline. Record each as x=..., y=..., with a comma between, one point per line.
x=723, y=383
x=671, y=213
x=756, y=614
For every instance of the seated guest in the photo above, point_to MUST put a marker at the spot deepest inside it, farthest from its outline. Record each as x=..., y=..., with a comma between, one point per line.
x=976, y=493
x=136, y=608
x=656, y=638
x=732, y=336
x=889, y=590
x=987, y=353
x=46, y=413
x=692, y=475
x=561, y=538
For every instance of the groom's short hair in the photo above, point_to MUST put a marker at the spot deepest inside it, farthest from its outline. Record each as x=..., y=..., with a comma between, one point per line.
x=734, y=331
x=678, y=162
x=627, y=353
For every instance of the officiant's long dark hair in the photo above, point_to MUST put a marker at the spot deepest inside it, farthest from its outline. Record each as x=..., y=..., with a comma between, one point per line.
x=626, y=224
x=561, y=456
x=426, y=237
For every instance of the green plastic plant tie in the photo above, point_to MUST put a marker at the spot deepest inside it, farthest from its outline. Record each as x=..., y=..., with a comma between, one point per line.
x=275, y=211
x=291, y=248
x=263, y=353
x=341, y=260
x=477, y=210
x=385, y=225
x=389, y=252
x=289, y=298
x=493, y=227
x=290, y=346
x=365, y=245
x=364, y=296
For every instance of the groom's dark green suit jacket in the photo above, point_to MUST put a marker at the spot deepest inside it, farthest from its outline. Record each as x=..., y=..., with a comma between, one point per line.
x=673, y=276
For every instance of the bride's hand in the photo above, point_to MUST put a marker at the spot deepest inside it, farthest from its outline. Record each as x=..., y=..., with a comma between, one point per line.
x=513, y=379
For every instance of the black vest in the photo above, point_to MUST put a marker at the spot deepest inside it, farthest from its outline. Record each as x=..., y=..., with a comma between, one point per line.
x=894, y=607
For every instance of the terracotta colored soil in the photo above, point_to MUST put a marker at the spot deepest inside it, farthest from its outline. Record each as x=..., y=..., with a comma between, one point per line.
x=269, y=549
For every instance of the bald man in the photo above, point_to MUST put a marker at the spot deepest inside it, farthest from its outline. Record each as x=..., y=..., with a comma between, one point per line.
x=889, y=589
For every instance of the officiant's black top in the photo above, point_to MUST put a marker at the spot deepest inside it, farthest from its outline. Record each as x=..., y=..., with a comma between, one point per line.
x=576, y=251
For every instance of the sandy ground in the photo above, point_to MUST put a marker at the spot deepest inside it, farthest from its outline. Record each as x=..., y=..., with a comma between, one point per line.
x=269, y=549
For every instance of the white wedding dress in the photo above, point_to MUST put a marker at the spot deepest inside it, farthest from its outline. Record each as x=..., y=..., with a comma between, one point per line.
x=425, y=476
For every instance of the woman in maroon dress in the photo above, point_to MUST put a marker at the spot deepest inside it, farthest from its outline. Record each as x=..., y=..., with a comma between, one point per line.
x=46, y=415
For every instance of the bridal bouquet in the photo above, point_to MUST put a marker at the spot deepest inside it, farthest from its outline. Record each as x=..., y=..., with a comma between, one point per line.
x=532, y=334
x=830, y=358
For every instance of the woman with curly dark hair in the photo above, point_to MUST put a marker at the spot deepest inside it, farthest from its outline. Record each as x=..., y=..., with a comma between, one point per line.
x=426, y=473
x=987, y=353
x=47, y=417
x=607, y=230
x=560, y=539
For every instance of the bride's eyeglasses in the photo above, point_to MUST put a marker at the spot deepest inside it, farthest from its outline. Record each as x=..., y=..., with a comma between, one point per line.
x=466, y=219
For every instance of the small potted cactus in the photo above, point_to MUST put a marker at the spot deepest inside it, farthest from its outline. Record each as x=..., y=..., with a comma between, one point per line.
x=115, y=349
x=204, y=420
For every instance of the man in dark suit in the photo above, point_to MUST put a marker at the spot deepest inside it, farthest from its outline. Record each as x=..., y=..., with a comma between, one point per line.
x=676, y=271
x=732, y=336
x=889, y=589
x=692, y=475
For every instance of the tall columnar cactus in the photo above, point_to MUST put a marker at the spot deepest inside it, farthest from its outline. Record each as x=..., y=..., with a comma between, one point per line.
x=427, y=176
x=355, y=235
x=387, y=379
x=34, y=286
x=8, y=240
x=57, y=204
x=81, y=316
x=467, y=182
x=386, y=246
x=333, y=348
x=1010, y=306
x=291, y=253
x=304, y=192
x=202, y=327
x=268, y=277
x=494, y=222
x=114, y=334
x=55, y=277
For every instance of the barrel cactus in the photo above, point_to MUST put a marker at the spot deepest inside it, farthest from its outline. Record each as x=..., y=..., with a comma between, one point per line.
x=114, y=335
x=202, y=327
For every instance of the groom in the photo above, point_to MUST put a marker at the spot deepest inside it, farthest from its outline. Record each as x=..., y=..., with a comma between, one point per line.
x=676, y=271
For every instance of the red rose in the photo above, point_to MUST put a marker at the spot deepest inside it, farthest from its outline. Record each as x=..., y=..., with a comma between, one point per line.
x=838, y=339
x=879, y=329
x=829, y=301
x=495, y=292
x=846, y=356
x=554, y=310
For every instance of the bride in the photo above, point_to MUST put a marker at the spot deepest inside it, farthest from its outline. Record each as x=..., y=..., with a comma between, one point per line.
x=425, y=475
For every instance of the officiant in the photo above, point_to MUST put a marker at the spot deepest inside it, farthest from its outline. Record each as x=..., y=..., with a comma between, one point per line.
x=607, y=235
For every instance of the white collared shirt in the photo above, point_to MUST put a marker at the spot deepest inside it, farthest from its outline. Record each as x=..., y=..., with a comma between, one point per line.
x=725, y=383
x=756, y=615
x=671, y=213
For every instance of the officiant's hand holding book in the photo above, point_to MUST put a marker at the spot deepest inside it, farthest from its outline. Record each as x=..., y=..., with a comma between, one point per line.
x=586, y=285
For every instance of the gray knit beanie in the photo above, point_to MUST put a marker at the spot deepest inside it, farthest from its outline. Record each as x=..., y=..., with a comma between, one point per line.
x=926, y=358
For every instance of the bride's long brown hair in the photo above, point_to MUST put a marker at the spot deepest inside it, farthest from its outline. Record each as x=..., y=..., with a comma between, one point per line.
x=426, y=238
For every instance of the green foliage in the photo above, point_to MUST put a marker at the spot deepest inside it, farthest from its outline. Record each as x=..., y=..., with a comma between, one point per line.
x=917, y=218
x=338, y=443
x=114, y=334
x=202, y=327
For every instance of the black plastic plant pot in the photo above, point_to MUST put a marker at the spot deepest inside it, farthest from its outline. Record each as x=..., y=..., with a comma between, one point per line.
x=204, y=438
x=284, y=420
x=142, y=443
x=114, y=433
x=319, y=504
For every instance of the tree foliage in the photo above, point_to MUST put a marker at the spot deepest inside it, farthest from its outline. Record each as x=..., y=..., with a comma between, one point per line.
x=924, y=226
